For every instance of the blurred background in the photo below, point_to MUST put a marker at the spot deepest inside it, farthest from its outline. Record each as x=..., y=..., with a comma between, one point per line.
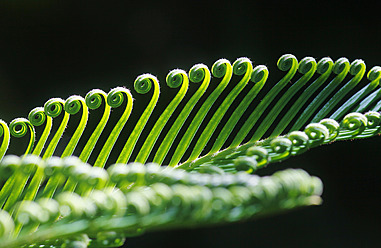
x=55, y=49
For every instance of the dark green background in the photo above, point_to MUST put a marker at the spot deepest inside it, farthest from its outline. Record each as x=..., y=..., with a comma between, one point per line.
x=51, y=49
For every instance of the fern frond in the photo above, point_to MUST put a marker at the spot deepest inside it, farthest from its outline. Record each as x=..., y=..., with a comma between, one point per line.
x=54, y=201
x=141, y=198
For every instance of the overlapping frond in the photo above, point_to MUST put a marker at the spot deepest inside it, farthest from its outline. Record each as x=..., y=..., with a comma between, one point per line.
x=208, y=143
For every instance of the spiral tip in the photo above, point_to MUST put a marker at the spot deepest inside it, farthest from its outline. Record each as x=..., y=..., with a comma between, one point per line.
x=220, y=67
x=198, y=72
x=176, y=77
x=143, y=83
x=287, y=61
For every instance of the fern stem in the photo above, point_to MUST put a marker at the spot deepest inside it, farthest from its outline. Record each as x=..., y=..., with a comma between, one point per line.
x=19, y=127
x=324, y=68
x=357, y=70
x=258, y=77
x=374, y=75
x=368, y=101
x=341, y=68
x=307, y=67
x=196, y=74
x=37, y=117
x=286, y=62
x=53, y=108
x=221, y=68
x=94, y=100
x=115, y=98
x=27, y=167
x=174, y=79
x=142, y=85
x=72, y=106
x=4, y=132
x=241, y=66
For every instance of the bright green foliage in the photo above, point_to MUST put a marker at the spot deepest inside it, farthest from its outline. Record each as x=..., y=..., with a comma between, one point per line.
x=51, y=201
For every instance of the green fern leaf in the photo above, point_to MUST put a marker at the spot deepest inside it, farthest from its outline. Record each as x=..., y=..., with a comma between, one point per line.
x=186, y=165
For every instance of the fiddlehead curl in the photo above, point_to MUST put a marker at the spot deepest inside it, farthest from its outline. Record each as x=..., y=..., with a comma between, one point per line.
x=258, y=77
x=324, y=67
x=373, y=119
x=137, y=204
x=30, y=163
x=70, y=164
x=333, y=128
x=374, y=75
x=78, y=174
x=118, y=173
x=372, y=124
x=299, y=142
x=341, y=68
x=281, y=148
x=247, y=164
x=197, y=73
x=357, y=69
x=241, y=66
x=220, y=69
x=97, y=178
x=107, y=204
x=174, y=79
x=286, y=62
x=317, y=133
x=38, y=117
x=19, y=127
x=142, y=85
x=72, y=106
x=94, y=100
x=53, y=108
x=355, y=123
x=260, y=154
x=307, y=67
x=115, y=99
